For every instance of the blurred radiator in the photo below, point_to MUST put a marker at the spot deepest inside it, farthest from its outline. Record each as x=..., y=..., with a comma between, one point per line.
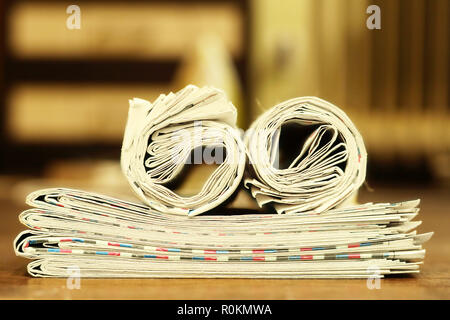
x=392, y=82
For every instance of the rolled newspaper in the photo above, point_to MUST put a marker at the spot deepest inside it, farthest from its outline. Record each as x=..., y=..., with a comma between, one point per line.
x=327, y=169
x=160, y=137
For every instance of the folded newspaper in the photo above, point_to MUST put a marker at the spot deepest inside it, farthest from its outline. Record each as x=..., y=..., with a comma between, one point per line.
x=160, y=136
x=328, y=169
x=92, y=235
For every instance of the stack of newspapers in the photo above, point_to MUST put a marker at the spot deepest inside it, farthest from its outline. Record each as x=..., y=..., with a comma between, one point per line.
x=314, y=229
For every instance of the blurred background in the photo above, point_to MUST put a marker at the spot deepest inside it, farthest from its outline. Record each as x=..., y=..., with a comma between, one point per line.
x=64, y=92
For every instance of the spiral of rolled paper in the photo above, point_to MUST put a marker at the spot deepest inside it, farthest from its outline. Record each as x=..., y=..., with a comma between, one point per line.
x=328, y=169
x=161, y=136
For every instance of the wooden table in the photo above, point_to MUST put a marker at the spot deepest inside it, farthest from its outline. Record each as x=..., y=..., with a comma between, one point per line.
x=432, y=283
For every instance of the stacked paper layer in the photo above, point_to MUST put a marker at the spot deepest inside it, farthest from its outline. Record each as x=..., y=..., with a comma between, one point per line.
x=105, y=237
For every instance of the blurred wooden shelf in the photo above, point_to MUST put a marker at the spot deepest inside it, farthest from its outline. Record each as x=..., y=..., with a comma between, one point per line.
x=66, y=91
x=140, y=30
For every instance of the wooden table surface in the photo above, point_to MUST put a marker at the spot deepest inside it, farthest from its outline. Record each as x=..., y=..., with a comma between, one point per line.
x=432, y=283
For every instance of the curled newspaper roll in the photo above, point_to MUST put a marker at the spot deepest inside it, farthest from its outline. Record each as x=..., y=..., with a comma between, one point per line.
x=327, y=168
x=160, y=137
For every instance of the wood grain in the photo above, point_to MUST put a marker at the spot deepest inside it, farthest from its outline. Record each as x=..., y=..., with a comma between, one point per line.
x=432, y=283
